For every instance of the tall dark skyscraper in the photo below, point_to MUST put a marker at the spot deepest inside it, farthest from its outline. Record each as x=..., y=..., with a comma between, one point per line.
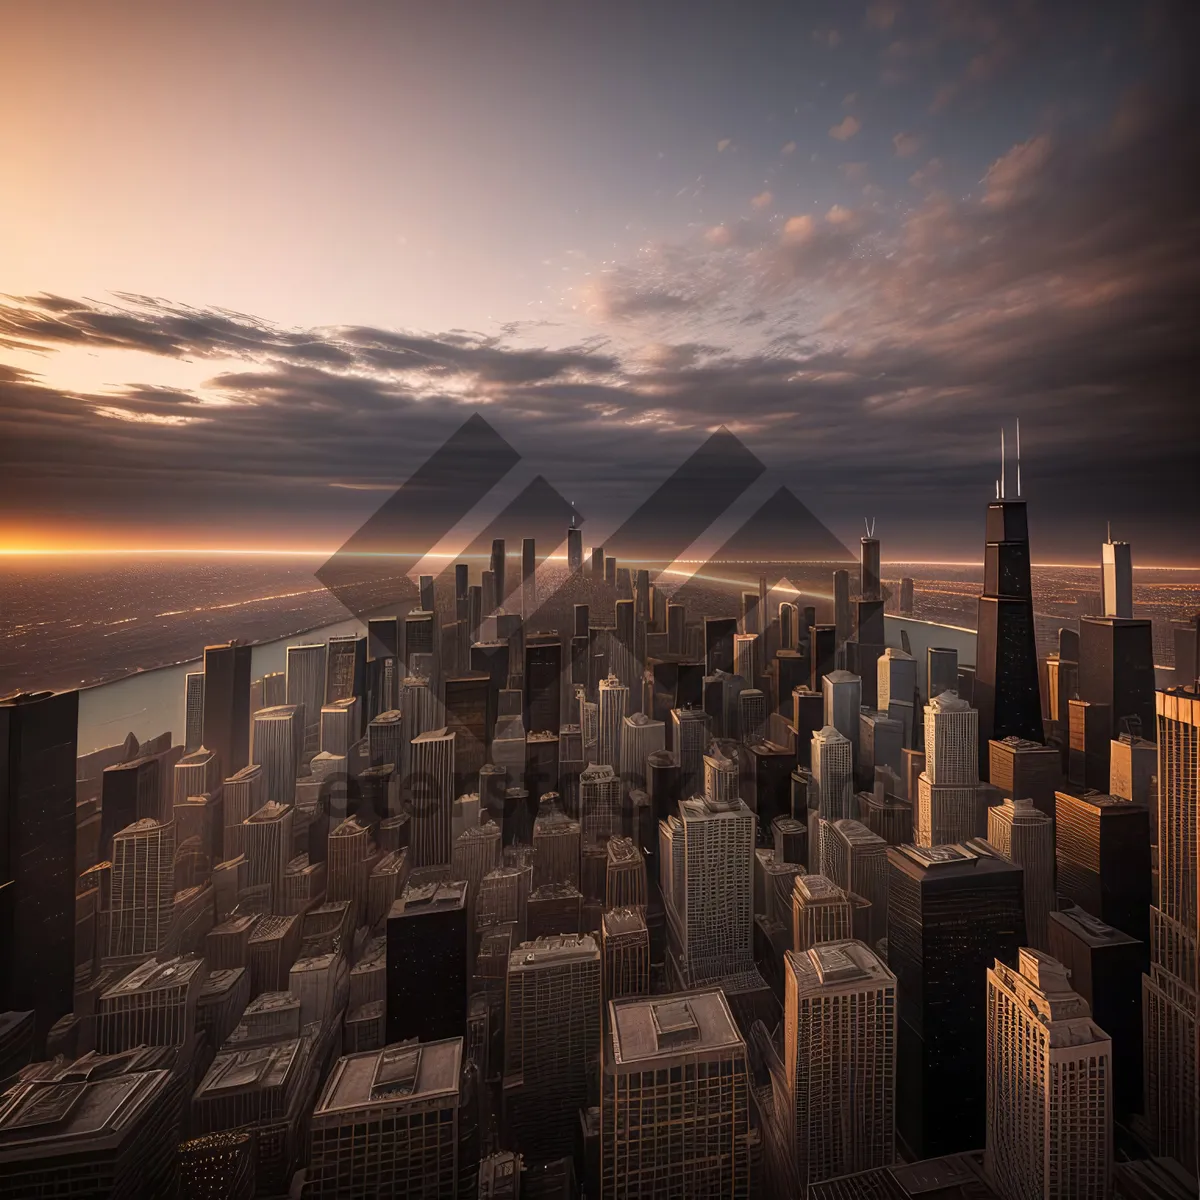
x=543, y=683
x=952, y=911
x=1006, y=672
x=37, y=855
x=227, y=706
x=718, y=643
x=496, y=566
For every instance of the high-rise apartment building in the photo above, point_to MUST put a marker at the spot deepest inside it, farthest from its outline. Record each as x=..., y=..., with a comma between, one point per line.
x=1025, y=835
x=1049, y=1085
x=551, y=1041
x=840, y=1059
x=674, y=1108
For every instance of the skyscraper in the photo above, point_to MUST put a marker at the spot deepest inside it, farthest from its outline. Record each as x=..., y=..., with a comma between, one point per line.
x=948, y=806
x=640, y=737
x=193, y=706
x=896, y=683
x=306, y=686
x=952, y=910
x=1049, y=1085
x=1025, y=770
x=427, y=962
x=1006, y=674
x=227, y=705
x=842, y=694
x=689, y=739
x=1025, y=835
x=432, y=790
x=528, y=578
x=1116, y=579
x=675, y=1099
x=706, y=870
x=37, y=855
x=267, y=845
x=820, y=912
x=856, y=860
x=832, y=774
x=551, y=1041
x=278, y=743
x=389, y=1122
x=840, y=1058
x=600, y=796
x=143, y=889
x=1170, y=990
x=614, y=702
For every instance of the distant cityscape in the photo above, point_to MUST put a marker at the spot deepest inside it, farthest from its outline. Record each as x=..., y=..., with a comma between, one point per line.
x=567, y=879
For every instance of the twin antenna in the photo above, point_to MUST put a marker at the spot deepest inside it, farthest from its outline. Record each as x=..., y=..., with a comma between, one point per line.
x=1003, y=472
x=870, y=526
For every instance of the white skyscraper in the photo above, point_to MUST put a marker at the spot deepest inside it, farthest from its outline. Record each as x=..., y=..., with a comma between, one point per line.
x=833, y=772
x=1116, y=579
x=948, y=807
x=840, y=1059
x=432, y=791
x=1049, y=1086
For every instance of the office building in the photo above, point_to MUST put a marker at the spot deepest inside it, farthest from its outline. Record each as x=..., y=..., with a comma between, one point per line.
x=625, y=943
x=129, y=791
x=143, y=889
x=721, y=777
x=227, y=705
x=1116, y=674
x=241, y=795
x=278, y=745
x=267, y=845
x=840, y=1059
x=1105, y=968
x=881, y=743
x=1169, y=998
x=218, y=1166
x=952, y=910
x=641, y=736
x=427, y=962
x=675, y=1099
x=600, y=796
x=306, y=688
x=389, y=1122
x=855, y=859
x=352, y=855
x=689, y=740
x=551, y=1041
x=1049, y=1073
x=766, y=781
x=37, y=855
x=1025, y=836
x=821, y=912
x=949, y=807
x=432, y=791
x=1025, y=770
x=832, y=774
x=1116, y=579
x=193, y=711
x=896, y=685
x=719, y=633
x=543, y=683
x=842, y=696
x=706, y=857
x=1102, y=847
x=614, y=702
x=1005, y=689
x=941, y=671
x=556, y=845
x=153, y=1005
x=194, y=775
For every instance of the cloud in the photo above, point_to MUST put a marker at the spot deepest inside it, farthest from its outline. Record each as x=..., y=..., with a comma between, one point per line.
x=788, y=148
x=1017, y=171
x=924, y=176
x=724, y=145
x=846, y=128
x=907, y=144
x=762, y=200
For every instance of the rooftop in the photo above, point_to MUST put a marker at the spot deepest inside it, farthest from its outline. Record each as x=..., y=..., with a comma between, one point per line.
x=645, y=1027
x=430, y=897
x=398, y=1074
x=543, y=951
x=1091, y=929
x=832, y=964
x=153, y=975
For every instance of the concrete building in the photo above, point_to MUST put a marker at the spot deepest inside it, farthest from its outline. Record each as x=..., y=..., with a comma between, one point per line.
x=1025, y=835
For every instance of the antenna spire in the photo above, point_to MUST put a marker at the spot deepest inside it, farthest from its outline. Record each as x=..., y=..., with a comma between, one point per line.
x=1003, y=473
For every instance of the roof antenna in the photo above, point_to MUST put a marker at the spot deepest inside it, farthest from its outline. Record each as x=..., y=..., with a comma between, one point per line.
x=870, y=526
x=1018, y=458
x=1002, y=471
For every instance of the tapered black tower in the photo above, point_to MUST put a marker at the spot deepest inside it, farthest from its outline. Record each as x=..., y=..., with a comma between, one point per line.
x=1006, y=674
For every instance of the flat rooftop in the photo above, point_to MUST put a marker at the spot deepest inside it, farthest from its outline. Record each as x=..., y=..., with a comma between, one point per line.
x=398, y=1074
x=649, y=1027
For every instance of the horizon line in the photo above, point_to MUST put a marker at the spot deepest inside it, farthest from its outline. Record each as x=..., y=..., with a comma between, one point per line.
x=275, y=552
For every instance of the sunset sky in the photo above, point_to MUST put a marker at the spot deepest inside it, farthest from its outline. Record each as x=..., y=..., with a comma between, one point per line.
x=258, y=260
